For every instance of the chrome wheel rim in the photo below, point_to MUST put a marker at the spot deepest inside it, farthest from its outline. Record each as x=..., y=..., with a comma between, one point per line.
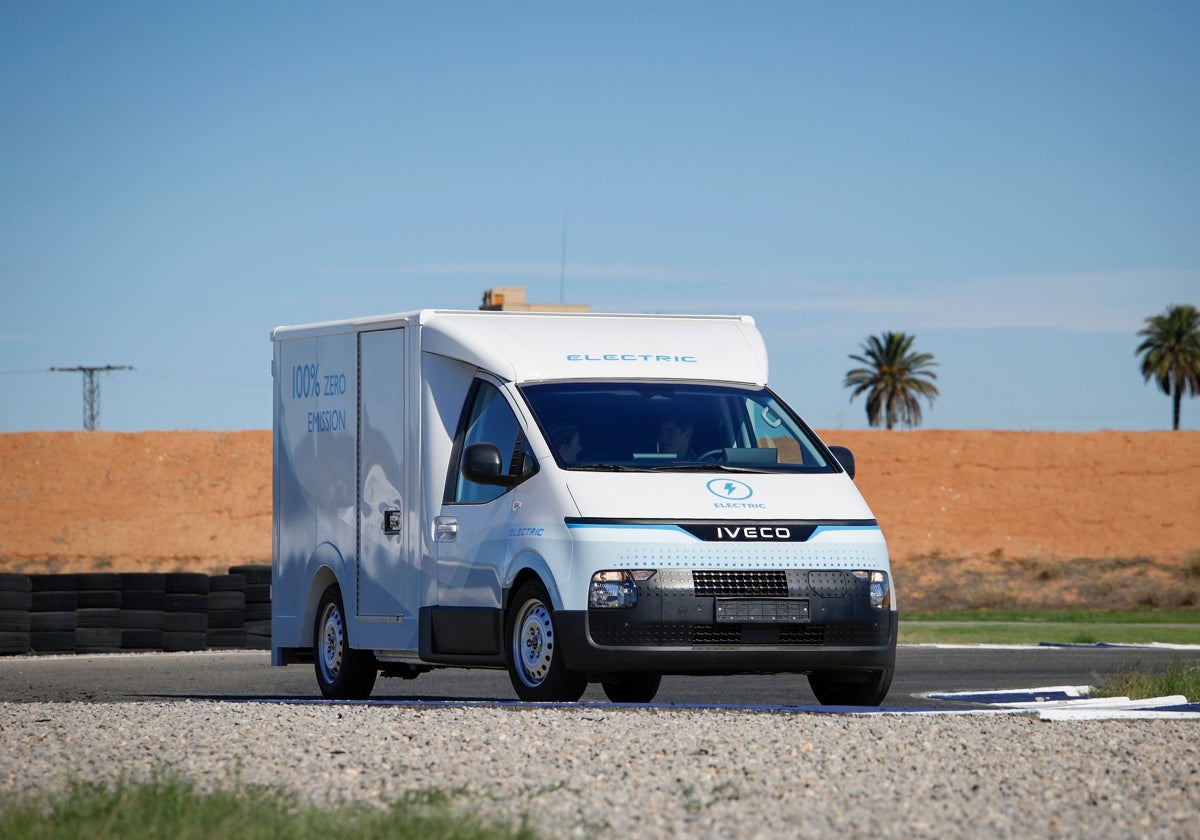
x=533, y=643
x=332, y=643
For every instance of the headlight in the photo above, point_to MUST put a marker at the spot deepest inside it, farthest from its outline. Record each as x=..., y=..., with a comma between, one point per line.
x=880, y=589
x=612, y=590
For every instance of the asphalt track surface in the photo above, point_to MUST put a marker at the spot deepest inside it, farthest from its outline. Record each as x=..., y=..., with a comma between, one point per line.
x=248, y=675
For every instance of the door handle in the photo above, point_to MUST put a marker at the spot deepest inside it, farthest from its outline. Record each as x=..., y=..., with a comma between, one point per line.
x=445, y=528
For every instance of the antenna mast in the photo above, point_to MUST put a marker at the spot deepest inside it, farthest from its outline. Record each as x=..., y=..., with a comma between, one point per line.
x=91, y=391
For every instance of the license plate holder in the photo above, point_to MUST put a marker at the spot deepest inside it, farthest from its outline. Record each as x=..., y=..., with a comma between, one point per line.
x=770, y=610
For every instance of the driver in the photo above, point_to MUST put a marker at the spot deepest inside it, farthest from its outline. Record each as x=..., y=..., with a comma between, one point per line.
x=675, y=437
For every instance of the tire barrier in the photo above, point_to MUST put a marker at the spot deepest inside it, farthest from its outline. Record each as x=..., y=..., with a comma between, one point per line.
x=143, y=607
x=258, y=605
x=15, y=600
x=110, y=612
x=185, y=624
x=227, y=611
x=53, y=602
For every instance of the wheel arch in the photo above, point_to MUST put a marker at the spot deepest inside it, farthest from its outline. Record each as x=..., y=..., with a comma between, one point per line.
x=325, y=562
x=527, y=566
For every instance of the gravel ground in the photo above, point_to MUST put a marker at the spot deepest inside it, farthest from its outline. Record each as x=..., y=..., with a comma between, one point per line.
x=598, y=772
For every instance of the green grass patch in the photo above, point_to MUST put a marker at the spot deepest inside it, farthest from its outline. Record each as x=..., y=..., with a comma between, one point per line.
x=1134, y=616
x=1139, y=682
x=1139, y=626
x=174, y=809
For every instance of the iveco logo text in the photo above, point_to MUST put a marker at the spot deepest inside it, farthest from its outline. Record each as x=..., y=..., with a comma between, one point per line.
x=762, y=532
x=629, y=357
x=735, y=493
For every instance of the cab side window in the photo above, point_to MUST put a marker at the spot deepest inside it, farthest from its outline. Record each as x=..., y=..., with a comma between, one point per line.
x=489, y=420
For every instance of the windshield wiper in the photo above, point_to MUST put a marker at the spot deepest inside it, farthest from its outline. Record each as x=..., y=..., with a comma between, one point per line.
x=602, y=468
x=711, y=467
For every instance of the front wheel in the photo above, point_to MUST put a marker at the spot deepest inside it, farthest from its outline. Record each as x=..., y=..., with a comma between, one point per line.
x=535, y=660
x=866, y=688
x=632, y=688
x=343, y=673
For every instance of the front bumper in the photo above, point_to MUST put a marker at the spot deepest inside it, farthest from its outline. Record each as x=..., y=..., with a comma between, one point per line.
x=722, y=622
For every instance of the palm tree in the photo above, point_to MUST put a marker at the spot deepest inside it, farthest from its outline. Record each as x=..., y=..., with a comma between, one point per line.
x=1171, y=353
x=895, y=376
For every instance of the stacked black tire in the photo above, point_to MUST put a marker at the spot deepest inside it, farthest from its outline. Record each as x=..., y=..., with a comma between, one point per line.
x=98, y=619
x=52, y=620
x=143, y=607
x=258, y=605
x=185, y=622
x=15, y=599
x=226, y=611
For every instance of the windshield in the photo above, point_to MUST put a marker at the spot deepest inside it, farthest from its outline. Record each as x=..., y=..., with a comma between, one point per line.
x=644, y=426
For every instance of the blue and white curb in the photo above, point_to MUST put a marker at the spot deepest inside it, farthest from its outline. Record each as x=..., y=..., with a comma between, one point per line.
x=1074, y=702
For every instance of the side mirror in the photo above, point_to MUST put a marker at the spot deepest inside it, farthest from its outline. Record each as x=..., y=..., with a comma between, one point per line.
x=483, y=464
x=845, y=457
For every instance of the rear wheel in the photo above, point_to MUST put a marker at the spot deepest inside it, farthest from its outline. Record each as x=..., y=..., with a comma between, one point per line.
x=343, y=673
x=535, y=661
x=851, y=688
x=632, y=688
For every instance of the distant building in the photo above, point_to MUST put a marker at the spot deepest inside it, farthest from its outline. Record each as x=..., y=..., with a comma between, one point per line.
x=512, y=299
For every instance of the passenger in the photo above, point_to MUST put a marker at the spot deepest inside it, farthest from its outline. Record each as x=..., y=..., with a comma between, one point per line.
x=565, y=439
x=675, y=437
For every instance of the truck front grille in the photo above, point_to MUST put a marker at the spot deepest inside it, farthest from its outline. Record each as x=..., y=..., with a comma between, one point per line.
x=721, y=583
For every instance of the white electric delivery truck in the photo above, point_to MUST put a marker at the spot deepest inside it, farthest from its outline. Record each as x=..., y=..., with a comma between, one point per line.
x=572, y=497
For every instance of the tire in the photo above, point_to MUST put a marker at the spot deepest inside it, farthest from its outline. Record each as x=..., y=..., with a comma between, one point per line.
x=52, y=583
x=98, y=618
x=10, y=582
x=863, y=688
x=186, y=602
x=535, y=662
x=144, y=580
x=15, y=621
x=60, y=601
x=96, y=599
x=258, y=593
x=15, y=600
x=139, y=639
x=144, y=599
x=227, y=583
x=226, y=620
x=223, y=638
x=258, y=635
x=97, y=640
x=186, y=583
x=53, y=622
x=14, y=643
x=181, y=642
x=343, y=673
x=221, y=601
x=52, y=641
x=258, y=612
x=254, y=574
x=185, y=622
x=633, y=688
x=90, y=581
x=141, y=620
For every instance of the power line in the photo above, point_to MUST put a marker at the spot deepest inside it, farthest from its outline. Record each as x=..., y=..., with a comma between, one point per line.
x=91, y=390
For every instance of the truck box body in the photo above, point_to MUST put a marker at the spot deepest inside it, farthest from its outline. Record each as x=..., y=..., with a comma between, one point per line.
x=421, y=484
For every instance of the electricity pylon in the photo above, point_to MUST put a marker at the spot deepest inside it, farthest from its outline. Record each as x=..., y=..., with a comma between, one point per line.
x=91, y=391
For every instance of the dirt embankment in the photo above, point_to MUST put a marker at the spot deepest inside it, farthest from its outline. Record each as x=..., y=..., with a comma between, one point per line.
x=972, y=518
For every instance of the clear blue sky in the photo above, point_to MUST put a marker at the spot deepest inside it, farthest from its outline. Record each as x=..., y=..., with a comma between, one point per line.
x=1015, y=183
